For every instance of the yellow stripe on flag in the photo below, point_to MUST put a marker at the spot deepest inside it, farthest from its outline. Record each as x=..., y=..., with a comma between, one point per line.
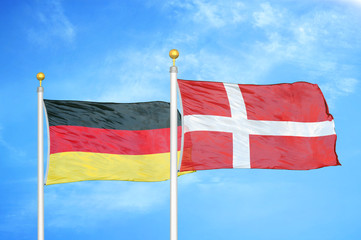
x=81, y=166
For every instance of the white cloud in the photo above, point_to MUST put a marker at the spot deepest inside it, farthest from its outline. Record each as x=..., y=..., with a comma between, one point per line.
x=306, y=41
x=311, y=42
x=347, y=85
x=214, y=14
x=218, y=15
x=353, y=2
x=52, y=24
x=268, y=16
x=338, y=87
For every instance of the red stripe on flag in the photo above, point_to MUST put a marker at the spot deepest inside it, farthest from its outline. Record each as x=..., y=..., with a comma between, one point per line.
x=198, y=98
x=299, y=102
x=213, y=150
x=97, y=140
x=294, y=153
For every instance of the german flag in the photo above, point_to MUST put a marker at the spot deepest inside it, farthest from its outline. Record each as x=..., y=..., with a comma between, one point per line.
x=108, y=141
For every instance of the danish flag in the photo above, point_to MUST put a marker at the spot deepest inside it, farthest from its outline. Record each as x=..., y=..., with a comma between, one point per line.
x=281, y=126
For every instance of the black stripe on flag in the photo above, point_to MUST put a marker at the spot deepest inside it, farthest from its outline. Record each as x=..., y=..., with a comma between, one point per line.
x=120, y=116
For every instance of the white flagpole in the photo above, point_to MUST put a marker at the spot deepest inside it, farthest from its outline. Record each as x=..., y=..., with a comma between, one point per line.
x=40, y=76
x=173, y=148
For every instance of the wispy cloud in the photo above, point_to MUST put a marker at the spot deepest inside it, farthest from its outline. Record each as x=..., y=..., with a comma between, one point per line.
x=348, y=85
x=352, y=2
x=135, y=76
x=267, y=16
x=212, y=14
x=314, y=42
x=311, y=41
x=13, y=151
x=52, y=23
x=18, y=222
x=83, y=205
x=88, y=203
x=243, y=196
x=339, y=88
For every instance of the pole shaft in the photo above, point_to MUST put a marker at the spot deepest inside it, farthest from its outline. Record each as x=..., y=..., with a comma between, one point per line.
x=173, y=155
x=40, y=165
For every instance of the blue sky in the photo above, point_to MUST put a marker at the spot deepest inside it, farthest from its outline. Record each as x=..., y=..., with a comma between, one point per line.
x=118, y=51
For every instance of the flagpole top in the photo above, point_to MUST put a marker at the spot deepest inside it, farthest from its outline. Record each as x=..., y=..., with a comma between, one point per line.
x=173, y=54
x=40, y=76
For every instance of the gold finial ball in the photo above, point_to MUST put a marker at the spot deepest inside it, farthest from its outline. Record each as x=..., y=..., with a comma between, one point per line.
x=173, y=53
x=40, y=76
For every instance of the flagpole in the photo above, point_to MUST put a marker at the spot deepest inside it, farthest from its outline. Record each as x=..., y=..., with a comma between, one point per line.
x=173, y=148
x=40, y=76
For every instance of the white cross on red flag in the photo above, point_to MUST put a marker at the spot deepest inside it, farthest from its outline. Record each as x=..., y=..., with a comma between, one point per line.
x=281, y=126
